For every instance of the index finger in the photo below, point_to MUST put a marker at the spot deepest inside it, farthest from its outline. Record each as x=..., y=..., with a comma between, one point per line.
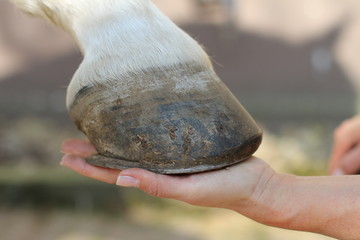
x=80, y=166
x=82, y=148
x=346, y=136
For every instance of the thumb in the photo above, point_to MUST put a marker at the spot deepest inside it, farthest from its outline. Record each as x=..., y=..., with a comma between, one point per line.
x=157, y=185
x=350, y=163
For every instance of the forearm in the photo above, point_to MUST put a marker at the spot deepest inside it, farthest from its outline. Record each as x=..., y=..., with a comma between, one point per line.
x=325, y=205
x=328, y=205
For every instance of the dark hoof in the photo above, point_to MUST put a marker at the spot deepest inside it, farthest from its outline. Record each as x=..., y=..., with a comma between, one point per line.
x=233, y=156
x=165, y=131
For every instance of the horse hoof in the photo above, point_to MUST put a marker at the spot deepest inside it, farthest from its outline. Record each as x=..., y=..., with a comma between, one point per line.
x=185, y=123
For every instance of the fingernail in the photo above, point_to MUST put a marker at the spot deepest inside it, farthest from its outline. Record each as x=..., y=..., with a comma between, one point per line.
x=66, y=159
x=64, y=146
x=127, y=181
x=338, y=172
x=62, y=162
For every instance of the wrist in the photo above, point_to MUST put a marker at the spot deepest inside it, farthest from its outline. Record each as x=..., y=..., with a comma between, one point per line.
x=270, y=203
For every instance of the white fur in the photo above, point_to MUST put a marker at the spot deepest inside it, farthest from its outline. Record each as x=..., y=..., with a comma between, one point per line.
x=118, y=37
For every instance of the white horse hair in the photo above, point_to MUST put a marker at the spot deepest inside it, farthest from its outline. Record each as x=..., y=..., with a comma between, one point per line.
x=146, y=94
x=118, y=37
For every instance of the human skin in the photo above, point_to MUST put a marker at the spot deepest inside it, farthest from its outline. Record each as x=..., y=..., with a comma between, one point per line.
x=345, y=157
x=329, y=205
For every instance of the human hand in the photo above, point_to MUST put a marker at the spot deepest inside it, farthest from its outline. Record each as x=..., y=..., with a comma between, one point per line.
x=345, y=157
x=231, y=188
x=251, y=188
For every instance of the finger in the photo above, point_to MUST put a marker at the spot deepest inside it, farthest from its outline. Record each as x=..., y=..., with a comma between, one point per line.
x=79, y=165
x=78, y=147
x=341, y=146
x=345, y=137
x=350, y=163
x=157, y=185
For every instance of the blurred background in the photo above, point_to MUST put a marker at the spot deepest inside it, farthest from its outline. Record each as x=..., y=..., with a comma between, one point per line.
x=295, y=65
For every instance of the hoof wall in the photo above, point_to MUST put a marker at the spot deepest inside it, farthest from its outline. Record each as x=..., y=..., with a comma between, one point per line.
x=166, y=129
x=232, y=157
